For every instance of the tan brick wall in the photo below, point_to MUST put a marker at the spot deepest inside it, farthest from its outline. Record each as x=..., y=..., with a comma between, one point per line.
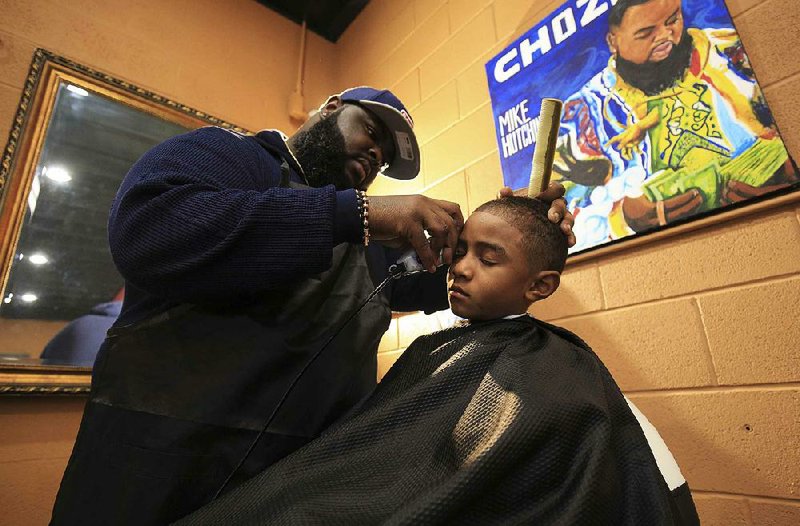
x=36, y=437
x=236, y=60
x=701, y=329
x=717, y=509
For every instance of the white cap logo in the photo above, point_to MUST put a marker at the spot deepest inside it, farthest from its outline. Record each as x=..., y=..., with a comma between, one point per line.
x=404, y=142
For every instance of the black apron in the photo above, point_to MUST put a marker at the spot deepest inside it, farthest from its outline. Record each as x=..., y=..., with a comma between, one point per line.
x=178, y=399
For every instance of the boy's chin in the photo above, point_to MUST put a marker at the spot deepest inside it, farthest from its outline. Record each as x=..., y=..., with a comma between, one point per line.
x=470, y=314
x=461, y=312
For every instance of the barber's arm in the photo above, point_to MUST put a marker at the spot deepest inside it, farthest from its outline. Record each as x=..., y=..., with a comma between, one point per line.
x=402, y=221
x=199, y=218
x=423, y=291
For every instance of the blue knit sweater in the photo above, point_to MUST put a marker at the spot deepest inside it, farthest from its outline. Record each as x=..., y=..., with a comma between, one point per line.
x=201, y=218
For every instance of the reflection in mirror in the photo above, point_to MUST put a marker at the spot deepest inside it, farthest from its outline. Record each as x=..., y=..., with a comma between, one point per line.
x=82, y=132
x=62, y=268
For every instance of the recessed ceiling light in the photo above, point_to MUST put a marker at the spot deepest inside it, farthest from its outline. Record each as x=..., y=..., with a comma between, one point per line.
x=57, y=174
x=7, y=299
x=78, y=91
x=38, y=259
x=29, y=297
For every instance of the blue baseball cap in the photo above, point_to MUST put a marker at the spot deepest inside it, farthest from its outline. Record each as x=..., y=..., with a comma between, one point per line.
x=388, y=108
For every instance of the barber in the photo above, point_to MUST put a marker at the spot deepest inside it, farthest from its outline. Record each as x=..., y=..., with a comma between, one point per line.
x=242, y=255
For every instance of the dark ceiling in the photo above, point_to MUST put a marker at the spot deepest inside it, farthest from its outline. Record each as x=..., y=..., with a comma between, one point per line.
x=327, y=18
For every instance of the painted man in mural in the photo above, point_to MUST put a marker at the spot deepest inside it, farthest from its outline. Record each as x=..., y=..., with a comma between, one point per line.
x=674, y=125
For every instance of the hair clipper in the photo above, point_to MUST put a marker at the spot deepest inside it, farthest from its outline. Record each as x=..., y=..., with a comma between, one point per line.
x=408, y=263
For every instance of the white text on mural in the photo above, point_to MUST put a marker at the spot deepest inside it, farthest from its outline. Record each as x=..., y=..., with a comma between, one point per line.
x=517, y=129
x=560, y=28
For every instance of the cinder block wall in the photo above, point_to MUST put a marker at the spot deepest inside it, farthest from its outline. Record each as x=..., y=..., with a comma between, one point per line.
x=236, y=60
x=701, y=330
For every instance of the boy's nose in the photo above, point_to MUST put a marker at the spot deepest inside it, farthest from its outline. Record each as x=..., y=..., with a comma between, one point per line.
x=460, y=268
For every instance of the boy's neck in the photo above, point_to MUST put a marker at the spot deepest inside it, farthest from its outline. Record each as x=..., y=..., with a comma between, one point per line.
x=509, y=317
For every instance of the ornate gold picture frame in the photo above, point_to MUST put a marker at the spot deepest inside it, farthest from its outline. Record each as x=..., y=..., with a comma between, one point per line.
x=29, y=133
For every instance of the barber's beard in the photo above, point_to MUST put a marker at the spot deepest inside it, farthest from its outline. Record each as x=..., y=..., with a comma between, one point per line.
x=320, y=150
x=655, y=77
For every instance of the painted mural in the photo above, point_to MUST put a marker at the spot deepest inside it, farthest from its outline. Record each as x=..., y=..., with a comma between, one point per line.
x=663, y=119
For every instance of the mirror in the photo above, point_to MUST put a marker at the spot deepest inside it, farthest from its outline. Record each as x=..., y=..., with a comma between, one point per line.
x=75, y=135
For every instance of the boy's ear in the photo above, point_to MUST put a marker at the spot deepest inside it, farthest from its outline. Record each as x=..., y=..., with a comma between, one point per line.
x=544, y=284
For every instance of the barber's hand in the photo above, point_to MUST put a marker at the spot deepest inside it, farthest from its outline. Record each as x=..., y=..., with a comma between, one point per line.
x=643, y=214
x=399, y=220
x=558, y=213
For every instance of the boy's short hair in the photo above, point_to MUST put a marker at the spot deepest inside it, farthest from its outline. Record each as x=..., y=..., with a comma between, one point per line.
x=543, y=241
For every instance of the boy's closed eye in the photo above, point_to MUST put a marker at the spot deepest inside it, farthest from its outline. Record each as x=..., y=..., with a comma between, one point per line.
x=489, y=258
x=486, y=253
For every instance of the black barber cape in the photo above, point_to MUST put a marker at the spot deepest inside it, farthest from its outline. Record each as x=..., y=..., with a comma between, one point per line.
x=503, y=422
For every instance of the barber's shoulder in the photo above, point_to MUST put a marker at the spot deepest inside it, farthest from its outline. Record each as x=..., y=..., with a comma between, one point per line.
x=221, y=140
x=204, y=135
x=217, y=133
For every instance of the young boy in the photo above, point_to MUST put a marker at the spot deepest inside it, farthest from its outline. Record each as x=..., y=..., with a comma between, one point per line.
x=505, y=420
